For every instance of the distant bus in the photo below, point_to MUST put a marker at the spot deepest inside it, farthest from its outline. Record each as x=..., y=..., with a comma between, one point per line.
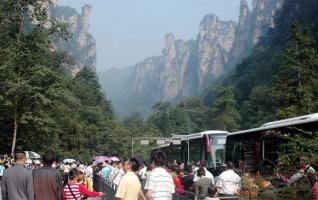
x=247, y=149
x=208, y=145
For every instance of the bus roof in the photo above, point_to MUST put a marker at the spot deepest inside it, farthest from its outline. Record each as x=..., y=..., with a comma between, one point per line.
x=199, y=135
x=281, y=123
x=193, y=136
x=161, y=146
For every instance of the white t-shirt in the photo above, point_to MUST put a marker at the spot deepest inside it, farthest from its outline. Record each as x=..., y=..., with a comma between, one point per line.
x=228, y=182
x=143, y=173
x=89, y=172
x=207, y=174
x=116, y=176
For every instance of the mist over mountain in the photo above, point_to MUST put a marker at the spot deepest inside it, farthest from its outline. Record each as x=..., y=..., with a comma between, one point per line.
x=186, y=68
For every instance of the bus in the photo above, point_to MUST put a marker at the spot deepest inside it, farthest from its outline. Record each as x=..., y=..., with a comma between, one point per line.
x=248, y=149
x=208, y=145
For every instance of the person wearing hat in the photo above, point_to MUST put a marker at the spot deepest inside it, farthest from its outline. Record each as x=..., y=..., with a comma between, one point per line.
x=88, y=184
x=73, y=190
x=129, y=187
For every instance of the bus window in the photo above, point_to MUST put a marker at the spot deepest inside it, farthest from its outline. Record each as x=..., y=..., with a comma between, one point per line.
x=195, y=150
x=217, y=156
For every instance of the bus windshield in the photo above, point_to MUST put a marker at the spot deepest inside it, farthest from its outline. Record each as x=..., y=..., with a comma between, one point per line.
x=217, y=155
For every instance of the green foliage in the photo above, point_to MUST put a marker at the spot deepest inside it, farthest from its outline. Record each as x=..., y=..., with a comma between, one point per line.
x=224, y=113
x=189, y=116
x=42, y=107
x=294, y=86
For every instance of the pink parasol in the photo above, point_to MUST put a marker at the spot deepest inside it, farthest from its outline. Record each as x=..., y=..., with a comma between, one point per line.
x=114, y=158
x=101, y=158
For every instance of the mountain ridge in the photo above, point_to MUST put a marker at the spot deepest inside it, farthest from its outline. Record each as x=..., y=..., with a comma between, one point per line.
x=186, y=68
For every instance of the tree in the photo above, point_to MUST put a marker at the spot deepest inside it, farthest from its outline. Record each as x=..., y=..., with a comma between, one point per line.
x=258, y=109
x=28, y=78
x=295, y=85
x=224, y=113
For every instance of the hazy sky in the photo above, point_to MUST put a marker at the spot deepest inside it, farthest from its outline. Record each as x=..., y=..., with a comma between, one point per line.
x=128, y=31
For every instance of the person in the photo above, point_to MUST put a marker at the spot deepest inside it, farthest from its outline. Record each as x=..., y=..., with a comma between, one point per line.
x=129, y=187
x=89, y=173
x=202, y=185
x=73, y=190
x=207, y=173
x=211, y=194
x=179, y=187
x=2, y=168
x=47, y=182
x=228, y=183
x=117, y=174
x=315, y=191
x=17, y=181
x=84, y=180
x=159, y=183
x=106, y=170
x=305, y=170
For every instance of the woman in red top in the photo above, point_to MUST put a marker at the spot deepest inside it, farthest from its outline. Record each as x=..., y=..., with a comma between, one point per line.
x=177, y=182
x=73, y=190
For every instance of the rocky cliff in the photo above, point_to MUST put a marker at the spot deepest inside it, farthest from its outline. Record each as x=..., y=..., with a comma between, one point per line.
x=81, y=46
x=185, y=68
x=253, y=23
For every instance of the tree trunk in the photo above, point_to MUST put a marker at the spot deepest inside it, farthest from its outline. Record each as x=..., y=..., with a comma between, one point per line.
x=14, y=138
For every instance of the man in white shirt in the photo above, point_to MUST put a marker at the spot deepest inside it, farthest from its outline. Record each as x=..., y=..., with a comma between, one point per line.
x=116, y=175
x=208, y=174
x=228, y=183
x=159, y=184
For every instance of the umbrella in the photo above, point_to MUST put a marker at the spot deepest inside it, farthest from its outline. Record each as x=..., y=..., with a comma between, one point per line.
x=101, y=158
x=69, y=160
x=32, y=155
x=114, y=159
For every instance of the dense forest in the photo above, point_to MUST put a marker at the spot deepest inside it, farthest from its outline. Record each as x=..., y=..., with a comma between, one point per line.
x=42, y=108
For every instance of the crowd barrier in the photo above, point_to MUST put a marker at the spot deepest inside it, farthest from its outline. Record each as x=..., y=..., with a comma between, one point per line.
x=110, y=190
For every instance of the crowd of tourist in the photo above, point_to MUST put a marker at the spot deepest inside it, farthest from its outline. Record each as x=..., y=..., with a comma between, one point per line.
x=132, y=179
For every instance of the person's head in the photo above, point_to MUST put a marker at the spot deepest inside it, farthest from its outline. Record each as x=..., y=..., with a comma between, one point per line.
x=48, y=159
x=304, y=161
x=158, y=159
x=212, y=191
x=203, y=163
x=75, y=175
x=149, y=167
x=120, y=165
x=201, y=172
x=179, y=172
x=181, y=165
x=81, y=170
x=20, y=157
x=229, y=165
x=131, y=165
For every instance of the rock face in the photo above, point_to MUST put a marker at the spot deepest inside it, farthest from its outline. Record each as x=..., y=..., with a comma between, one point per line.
x=185, y=68
x=253, y=23
x=169, y=71
x=215, y=41
x=81, y=46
